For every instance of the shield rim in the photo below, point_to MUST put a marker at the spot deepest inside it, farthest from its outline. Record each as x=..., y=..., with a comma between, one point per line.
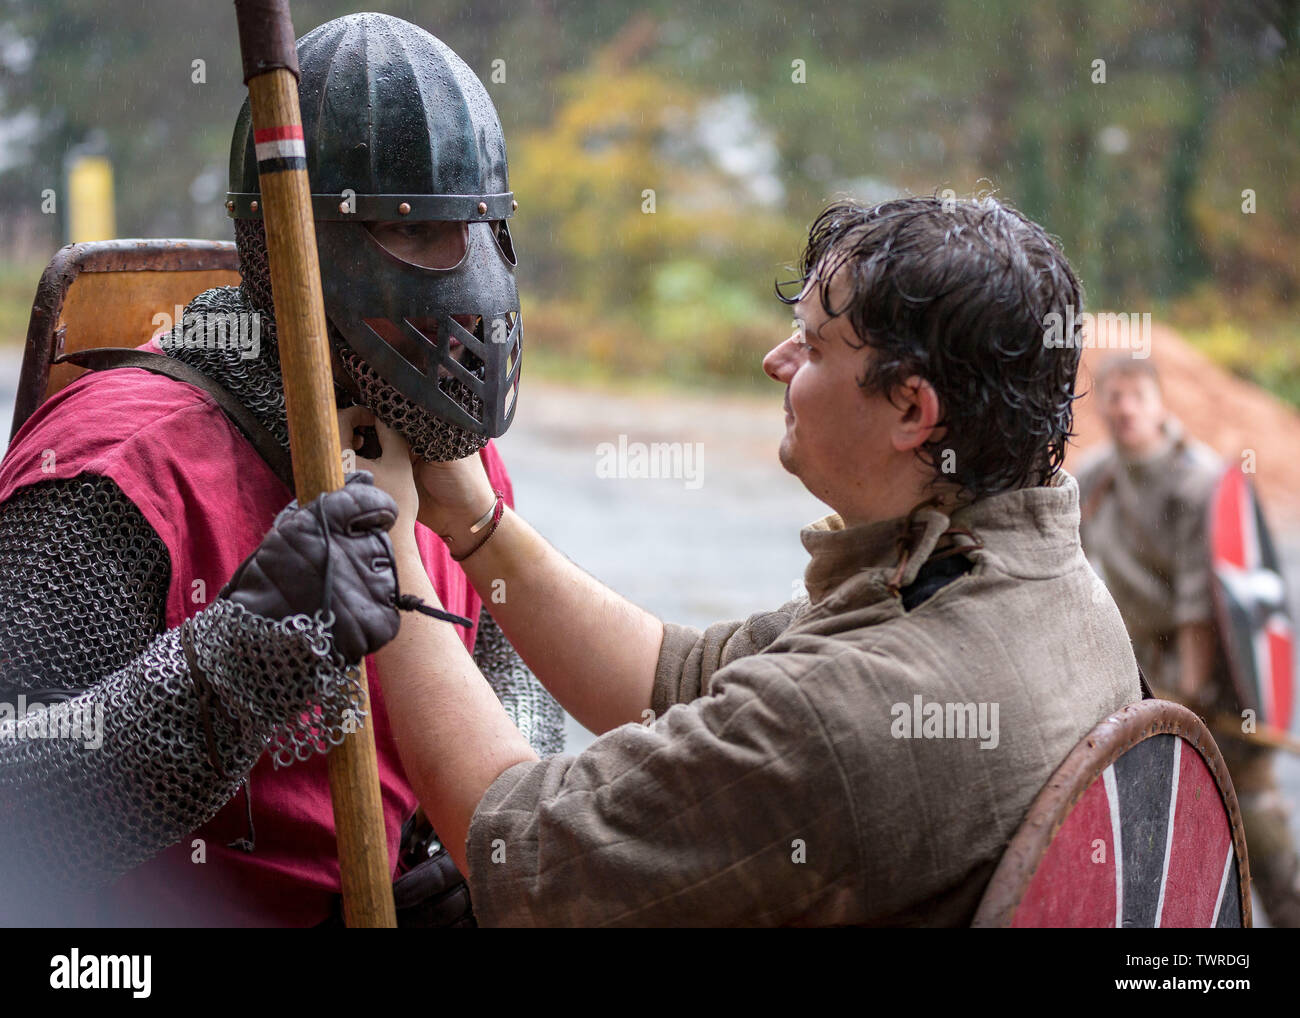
x=1101, y=747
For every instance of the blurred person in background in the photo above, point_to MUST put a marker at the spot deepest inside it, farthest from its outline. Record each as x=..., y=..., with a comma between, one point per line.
x=1145, y=514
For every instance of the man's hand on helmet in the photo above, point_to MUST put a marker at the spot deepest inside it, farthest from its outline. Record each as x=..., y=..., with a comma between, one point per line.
x=450, y=495
x=333, y=554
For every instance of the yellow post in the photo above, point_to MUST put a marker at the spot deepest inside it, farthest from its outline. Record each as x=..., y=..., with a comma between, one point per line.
x=90, y=199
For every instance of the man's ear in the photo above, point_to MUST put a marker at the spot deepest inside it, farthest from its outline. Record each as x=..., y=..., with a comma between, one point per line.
x=919, y=413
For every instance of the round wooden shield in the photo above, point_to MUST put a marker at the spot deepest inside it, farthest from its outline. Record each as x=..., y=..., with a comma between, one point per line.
x=1139, y=827
x=1250, y=602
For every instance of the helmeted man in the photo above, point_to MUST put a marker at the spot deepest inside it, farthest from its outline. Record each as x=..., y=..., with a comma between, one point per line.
x=155, y=498
x=1145, y=501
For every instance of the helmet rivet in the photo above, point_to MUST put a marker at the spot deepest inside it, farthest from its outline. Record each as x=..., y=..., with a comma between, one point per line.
x=514, y=205
x=404, y=209
x=482, y=208
x=343, y=207
x=230, y=206
x=252, y=206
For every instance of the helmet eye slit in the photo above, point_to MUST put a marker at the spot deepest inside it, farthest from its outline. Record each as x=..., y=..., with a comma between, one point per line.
x=428, y=243
x=501, y=233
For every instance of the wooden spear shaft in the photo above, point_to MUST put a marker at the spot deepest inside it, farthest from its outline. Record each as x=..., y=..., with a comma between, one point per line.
x=271, y=72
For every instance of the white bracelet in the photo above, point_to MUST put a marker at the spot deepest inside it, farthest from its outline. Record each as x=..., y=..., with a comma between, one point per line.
x=485, y=519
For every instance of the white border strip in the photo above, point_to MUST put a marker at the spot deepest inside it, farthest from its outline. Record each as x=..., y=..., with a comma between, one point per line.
x=1223, y=883
x=1264, y=671
x=1117, y=842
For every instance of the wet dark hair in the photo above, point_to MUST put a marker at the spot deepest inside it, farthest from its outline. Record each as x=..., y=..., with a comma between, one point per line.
x=958, y=291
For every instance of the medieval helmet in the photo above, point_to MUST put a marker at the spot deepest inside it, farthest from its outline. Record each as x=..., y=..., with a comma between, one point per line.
x=398, y=130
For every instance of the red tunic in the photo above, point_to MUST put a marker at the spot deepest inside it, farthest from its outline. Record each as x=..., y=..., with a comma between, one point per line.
x=211, y=499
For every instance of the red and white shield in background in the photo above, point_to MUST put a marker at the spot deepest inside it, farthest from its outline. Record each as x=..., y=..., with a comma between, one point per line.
x=1250, y=601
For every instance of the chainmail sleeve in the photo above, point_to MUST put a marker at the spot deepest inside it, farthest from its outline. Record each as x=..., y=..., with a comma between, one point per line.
x=112, y=747
x=533, y=710
x=83, y=584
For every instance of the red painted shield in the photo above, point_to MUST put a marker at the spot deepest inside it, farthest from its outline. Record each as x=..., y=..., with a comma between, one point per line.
x=1250, y=602
x=1139, y=827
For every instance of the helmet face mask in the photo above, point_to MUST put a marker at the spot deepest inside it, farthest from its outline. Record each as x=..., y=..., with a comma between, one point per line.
x=417, y=325
x=440, y=341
